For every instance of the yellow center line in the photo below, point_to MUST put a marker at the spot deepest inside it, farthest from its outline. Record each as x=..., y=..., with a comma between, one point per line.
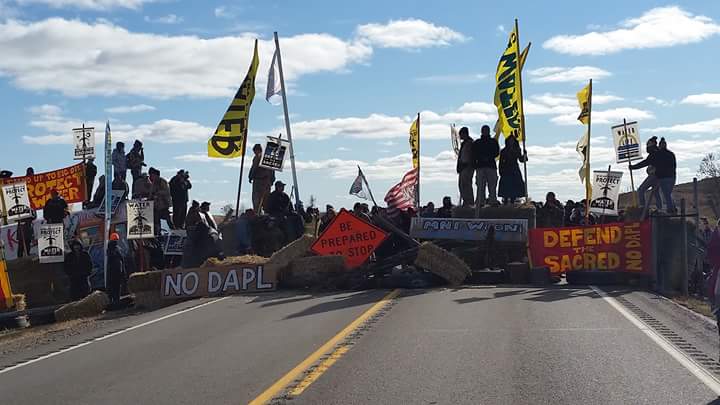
x=293, y=374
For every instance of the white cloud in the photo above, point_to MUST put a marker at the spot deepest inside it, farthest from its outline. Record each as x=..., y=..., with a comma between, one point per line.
x=702, y=127
x=227, y=11
x=343, y=149
x=78, y=58
x=166, y=19
x=657, y=28
x=610, y=116
x=453, y=79
x=557, y=74
x=705, y=99
x=124, y=109
x=659, y=101
x=409, y=34
x=88, y=4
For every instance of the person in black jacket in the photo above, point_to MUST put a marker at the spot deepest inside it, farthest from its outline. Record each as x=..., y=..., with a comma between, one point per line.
x=512, y=185
x=55, y=209
x=78, y=267
x=465, y=168
x=179, y=187
x=115, y=270
x=90, y=173
x=485, y=151
x=665, y=166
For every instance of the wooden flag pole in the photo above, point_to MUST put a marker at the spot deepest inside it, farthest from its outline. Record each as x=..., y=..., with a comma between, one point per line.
x=632, y=181
x=240, y=180
x=368, y=186
x=588, y=185
x=417, y=189
x=522, y=109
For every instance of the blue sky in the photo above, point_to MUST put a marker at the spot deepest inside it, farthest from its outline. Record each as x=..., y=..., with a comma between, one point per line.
x=164, y=71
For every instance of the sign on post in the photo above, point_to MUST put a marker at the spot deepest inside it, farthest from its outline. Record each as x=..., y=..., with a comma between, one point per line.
x=84, y=143
x=175, y=242
x=51, y=243
x=505, y=230
x=117, y=198
x=274, y=154
x=141, y=221
x=215, y=281
x=69, y=182
x=627, y=142
x=17, y=203
x=605, y=192
x=350, y=237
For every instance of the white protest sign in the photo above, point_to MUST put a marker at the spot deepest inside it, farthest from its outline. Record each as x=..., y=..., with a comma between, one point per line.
x=51, y=243
x=17, y=203
x=274, y=154
x=606, y=189
x=627, y=142
x=175, y=242
x=84, y=143
x=140, y=219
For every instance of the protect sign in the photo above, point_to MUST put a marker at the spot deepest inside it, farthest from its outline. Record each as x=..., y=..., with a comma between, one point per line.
x=624, y=247
x=68, y=182
x=350, y=237
x=214, y=281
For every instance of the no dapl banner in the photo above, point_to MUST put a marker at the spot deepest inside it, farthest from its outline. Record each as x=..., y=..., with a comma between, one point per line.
x=84, y=143
x=51, y=243
x=274, y=154
x=627, y=143
x=17, y=203
x=140, y=223
x=68, y=182
x=606, y=189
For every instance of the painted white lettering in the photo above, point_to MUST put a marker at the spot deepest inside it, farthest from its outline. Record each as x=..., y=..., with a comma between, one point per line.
x=248, y=277
x=193, y=277
x=215, y=282
x=231, y=281
x=260, y=278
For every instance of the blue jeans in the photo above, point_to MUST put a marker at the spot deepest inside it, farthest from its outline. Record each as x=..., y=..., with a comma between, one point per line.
x=651, y=182
x=666, y=187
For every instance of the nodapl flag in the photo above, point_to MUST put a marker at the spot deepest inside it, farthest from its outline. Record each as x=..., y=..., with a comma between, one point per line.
x=583, y=97
x=498, y=127
x=402, y=195
x=415, y=142
x=356, y=188
x=507, y=90
x=230, y=137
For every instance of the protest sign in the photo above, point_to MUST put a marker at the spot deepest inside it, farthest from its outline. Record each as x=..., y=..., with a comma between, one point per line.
x=214, y=281
x=605, y=192
x=504, y=230
x=84, y=143
x=627, y=142
x=117, y=197
x=17, y=203
x=350, y=237
x=68, y=182
x=51, y=243
x=140, y=219
x=274, y=154
x=175, y=242
x=624, y=247
x=10, y=240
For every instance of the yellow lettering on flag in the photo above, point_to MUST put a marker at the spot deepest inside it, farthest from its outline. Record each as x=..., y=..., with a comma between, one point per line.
x=583, y=100
x=415, y=143
x=6, y=298
x=507, y=90
x=230, y=137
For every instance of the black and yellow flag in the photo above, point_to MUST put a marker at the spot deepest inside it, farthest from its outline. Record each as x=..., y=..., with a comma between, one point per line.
x=583, y=97
x=496, y=98
x=415, y=142
x=230, y=137
x=508, y=91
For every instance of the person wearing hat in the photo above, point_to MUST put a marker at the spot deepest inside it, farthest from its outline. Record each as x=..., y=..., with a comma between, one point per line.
x=78, y=267
x=261, y=179
x=142, y=187
x=278, y=202
x=327, y=217
x=115, y=269
x=55, y=208
x=136, y=160
x=651, y=181
x=179, y=190
x=119, y=161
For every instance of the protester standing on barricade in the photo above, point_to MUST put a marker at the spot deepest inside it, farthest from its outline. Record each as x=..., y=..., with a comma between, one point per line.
x=327, y=217
x=428, y=211
x=446, y=210
x=179, y=190
x=512, y=185
x=161, y=199
x=90, y=173
x=261, y=179
x=78, y=267
x=485, y=151
x=119, y=161
x=55, y=209
x=665, y=166
x=651, y=181
x=136, y=160
x=120, y=185
x=115, y=270
x=142, y=187
x=465, y=168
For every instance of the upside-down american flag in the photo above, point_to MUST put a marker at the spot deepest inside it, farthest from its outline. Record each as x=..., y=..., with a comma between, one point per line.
x=402, y=195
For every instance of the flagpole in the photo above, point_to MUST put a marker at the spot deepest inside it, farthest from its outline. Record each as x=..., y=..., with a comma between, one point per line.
x=632, y=181
x=522, y=108
x=108, y=198
x=588, y=194
x=287, y=120
x=240, y=180
x=417, y=189
x=368, y=186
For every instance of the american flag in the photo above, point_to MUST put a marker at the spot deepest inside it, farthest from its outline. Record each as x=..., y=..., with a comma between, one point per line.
x=402, y=195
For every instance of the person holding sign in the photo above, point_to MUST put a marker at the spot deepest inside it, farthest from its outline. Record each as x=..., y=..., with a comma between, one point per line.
x=665, y=166
x=651, y=181
x=261, y=179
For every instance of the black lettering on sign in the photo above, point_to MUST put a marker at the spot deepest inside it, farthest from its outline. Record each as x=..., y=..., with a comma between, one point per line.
x=230, y=141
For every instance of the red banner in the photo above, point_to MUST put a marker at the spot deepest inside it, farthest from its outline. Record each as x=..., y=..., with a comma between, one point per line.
x=69, y=182
x=622, y=247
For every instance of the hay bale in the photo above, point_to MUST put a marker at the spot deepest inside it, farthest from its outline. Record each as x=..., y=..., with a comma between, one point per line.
x=145, y=281
x=92, y=305
x=295, y=250
x=442, y=263
x=19, y=302
x=234, y=260
x=317, y=272
x=149, y=300
x=318, y=265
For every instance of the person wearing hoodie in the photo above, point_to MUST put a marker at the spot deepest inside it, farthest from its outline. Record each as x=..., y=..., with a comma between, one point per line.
x=136, y=160
x=651, y=181
x=119, y=161
x=78, y=267
x=115, y=269
x=665, y=164
x=485, y=150
x=465, y=168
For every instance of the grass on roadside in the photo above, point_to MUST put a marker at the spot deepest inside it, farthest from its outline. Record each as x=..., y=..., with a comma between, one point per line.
x=698, y=305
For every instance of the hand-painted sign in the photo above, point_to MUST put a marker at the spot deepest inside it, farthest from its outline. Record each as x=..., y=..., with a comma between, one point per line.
x=84, y=143
x=51, y=243
x=214, y=281
x=175, y=242
x=504, y=230
x=605, y=192
x=350, y=237
x=10, y=241
x=68, y=182
x=627, y=142
x=274, y=154
x=17, y=203
x=624, y=247
x=141, y=221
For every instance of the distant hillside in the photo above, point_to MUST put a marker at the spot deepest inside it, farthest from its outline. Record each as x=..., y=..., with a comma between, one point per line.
x=708, y=197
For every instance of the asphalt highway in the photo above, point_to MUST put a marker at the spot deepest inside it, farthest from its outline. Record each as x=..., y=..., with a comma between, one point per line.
x=474, y=345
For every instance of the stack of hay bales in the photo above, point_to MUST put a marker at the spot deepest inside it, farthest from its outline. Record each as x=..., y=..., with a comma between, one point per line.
x=92, y=305
x=19, y=302
x=234, y=260
x=442, y=263
x=280, y=260
x=145, y=288
x=323, y=272
x=42, y=284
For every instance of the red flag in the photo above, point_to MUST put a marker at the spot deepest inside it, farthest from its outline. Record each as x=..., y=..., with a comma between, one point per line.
x=402, y=195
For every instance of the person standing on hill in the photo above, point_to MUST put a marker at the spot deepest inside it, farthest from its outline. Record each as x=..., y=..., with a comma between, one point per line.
x=485, y=151
x=465, y=168
x=55, y=209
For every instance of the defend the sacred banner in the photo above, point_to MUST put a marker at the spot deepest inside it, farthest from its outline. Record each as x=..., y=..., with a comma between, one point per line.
x=51, y=243
x=627, y=142
x=605, y=192
x=624, y=247
x=84, y=143
x=68, y=182
x=17, y=204
x=141, y=221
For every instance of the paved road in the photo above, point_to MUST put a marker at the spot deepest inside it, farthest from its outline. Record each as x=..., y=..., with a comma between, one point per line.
x=476, y=345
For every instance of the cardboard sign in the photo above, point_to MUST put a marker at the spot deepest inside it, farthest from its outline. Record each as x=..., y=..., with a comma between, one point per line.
x=140, y=217
x=627, y=142
x=505, y=230
x=84, y=143
x=51, y=243
x=10, y=241
x=274, y=154
x=605, y=192
x=68, y=182
x=216, y=281
x=624, y=247
x=17, y=203
x=350, y=237
x=175, y=242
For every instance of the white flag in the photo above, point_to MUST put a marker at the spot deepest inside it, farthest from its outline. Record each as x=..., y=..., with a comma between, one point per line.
x=274, y=87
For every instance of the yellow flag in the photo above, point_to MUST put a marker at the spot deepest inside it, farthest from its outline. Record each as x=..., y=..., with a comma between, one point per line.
x=415, y=142
x=496, y=98
x=583, y=97
x=6, y=295
x=508, y=91
x=231, y=134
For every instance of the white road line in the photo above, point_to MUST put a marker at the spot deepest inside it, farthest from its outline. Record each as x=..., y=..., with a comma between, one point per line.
x=105, y=337
x=698, y=371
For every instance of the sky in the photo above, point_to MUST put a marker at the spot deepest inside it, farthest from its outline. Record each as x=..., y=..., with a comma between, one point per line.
x=164, y=72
